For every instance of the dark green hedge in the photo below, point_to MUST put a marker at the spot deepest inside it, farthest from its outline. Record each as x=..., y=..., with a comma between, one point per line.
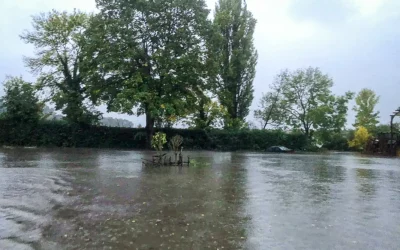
x=58, y=134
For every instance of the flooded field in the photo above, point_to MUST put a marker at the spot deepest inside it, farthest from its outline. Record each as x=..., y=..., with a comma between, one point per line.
x=100, y=199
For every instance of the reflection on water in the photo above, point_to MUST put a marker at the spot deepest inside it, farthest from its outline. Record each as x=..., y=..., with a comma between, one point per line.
x=99, y=199
x=366, y=179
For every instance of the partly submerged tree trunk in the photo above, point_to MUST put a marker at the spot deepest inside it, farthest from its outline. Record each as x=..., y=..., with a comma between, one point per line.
x=149, y=129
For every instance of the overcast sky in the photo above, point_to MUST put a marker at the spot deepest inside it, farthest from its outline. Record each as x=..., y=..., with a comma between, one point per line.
x=356, y=42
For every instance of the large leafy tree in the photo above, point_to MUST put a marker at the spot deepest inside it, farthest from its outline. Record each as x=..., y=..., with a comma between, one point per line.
x=366, y=116
x=148, y=57
x=308, y=103
x=235, y=57
x=58, y=38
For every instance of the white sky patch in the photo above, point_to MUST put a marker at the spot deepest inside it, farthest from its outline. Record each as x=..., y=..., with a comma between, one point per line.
x=374, y=11
x=368, y=8
x=37, y=6
x=273, y=23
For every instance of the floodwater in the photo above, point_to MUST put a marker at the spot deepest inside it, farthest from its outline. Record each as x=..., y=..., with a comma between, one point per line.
x=104, y=199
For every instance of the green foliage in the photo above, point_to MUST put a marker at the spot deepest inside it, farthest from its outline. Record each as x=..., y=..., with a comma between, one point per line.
x=360, y=140
x=337, y=116
x=334, y=141
x=162, y=59
x=332, y=122
x=234, y=123
x=231, y=140
x=366, y=116
x=268, y=113
x=58, y=38
x=22, y=109
x=235, y=59
x=385, y=128
x=308, y=103
x=148, y=55
x=208, y=114
x=62, y=134
x=20, y=102
x=158, y=141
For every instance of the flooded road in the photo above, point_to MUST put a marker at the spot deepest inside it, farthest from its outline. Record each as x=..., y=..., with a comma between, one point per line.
x=99, y=199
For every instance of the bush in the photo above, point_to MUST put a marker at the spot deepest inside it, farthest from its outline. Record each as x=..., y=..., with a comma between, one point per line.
x=21, y=110
x=360, y=140
x=61, y=134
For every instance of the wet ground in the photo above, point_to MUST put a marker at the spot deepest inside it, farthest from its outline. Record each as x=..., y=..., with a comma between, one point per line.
x=99, y=199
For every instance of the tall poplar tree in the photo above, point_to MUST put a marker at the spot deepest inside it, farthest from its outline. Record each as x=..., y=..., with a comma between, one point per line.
x=236, y=58
x=366, y=115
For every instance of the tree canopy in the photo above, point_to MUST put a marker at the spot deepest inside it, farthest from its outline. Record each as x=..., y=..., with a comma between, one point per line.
x=208, y=114
x=20, y=103
x=148, y=55
x=22, y=110
x=58, y=38
x=168, y=61
x=308, y=103
x=303, y=100
x=361, y=138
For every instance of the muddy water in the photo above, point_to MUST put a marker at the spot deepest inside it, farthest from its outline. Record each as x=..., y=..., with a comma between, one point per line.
x=98, y=199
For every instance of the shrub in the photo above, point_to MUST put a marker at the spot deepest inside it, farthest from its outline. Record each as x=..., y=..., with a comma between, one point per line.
x=61, y=134
x=360, y=140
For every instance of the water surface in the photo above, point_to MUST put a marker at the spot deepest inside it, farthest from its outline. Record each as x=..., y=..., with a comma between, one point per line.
x=103, y=199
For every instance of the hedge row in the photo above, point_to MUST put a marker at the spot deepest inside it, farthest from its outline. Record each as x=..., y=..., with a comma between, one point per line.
x=55, y=134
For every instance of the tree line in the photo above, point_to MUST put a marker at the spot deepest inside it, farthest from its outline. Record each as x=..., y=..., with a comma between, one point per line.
x=302, y=100
x=169, y=61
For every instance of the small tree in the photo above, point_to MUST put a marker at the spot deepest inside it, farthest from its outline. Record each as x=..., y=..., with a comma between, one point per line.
x=20, y=102
x=360, y=140
x=22, y=109
x=158, y=141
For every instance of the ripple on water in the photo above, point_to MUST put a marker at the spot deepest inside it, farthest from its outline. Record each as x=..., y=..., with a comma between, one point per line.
x=27, y=196
x=12, y=245
x=104, y=200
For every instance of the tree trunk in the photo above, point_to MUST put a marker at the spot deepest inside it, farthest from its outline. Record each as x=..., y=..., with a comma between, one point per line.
x=307, y=132
x=149, y=129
